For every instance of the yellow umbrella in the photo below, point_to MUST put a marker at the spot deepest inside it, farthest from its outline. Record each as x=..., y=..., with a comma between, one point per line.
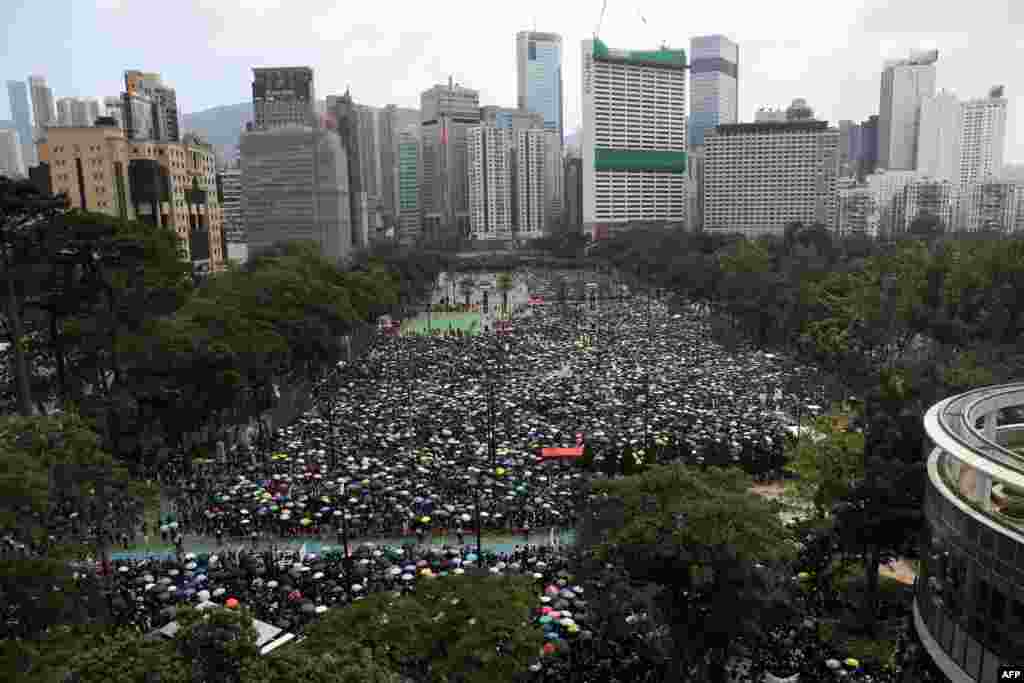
x=306, y=521
x=852, y=663
x=500, y=471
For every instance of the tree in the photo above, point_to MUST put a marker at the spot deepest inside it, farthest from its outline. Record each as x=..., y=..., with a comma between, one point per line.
x=461, y=629
x=884, y=510
x=296, y=664
x=23, y=210
x=827, y=465
x=57, y=481
x=695, y=531
x=216, y=643
x=926, y=225
x=466, y=287
x=127, y=657
x=505, y=282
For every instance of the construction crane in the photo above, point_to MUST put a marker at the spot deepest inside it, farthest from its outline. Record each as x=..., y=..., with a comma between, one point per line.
x=597, y=31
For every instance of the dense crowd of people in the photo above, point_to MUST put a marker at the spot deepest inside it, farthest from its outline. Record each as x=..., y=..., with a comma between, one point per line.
x=444, y=432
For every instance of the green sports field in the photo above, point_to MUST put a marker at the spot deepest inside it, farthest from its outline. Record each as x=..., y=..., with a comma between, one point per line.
x=467, y=322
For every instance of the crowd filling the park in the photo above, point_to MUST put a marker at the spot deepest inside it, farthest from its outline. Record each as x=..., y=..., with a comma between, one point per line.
x=429, y=439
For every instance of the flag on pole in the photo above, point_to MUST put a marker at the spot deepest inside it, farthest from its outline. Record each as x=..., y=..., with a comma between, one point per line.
x=444, y=131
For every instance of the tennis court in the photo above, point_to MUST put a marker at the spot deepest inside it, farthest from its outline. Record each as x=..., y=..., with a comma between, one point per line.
x=469, y=323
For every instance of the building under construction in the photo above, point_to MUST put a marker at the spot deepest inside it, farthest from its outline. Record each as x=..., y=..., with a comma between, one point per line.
x=295, y=187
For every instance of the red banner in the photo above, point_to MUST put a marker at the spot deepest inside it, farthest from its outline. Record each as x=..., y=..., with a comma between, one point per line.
x=535, y=300
x=561, y=452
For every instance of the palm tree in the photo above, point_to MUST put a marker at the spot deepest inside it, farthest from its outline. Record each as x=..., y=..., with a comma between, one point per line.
x=466, y=286
x=504, y=284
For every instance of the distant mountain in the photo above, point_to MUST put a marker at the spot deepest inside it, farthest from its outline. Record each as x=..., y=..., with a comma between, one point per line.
x=221, y=127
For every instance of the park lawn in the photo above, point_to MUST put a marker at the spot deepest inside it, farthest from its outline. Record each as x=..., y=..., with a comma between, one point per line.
x=467, y=322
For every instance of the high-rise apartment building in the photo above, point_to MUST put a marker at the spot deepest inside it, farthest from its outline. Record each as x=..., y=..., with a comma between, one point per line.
x=553, y=180
x=935, y=197
x=938, y=140
x=295, y=185
x=633, y=138
x=144, y=93
x=856, y=212
x=539, y=77
x=12, y=164
x=714, y=84
x=888, y=194
x=760, y=177
x=21, y=113
x=114, y=109
x=983, y=138
x=490, y=213
x=44, y=112
x=64, y=111
x=992, y=205
x=533, y=162
x=409, y=218
x=283, y=96
x=77, y=111
x=231, y=191
x=574, y=194
x=904, y=83
x=447, y=113
x=169, y=185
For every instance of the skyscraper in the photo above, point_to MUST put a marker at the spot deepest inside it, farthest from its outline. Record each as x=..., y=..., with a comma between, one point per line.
x=295, y=186
x=447, y=112
x=904, y=83
x=231, y=187
x=938, y=139
x=21, y=112
x=394, y=123
x=983, y=141
x=409, y=219
x=346, y=114
x=64, y=111
x=11, y=162
x=162, y=104
x=43, y=111
x=867, y=149
x=539, y=77
x=714, y=84
x=283, y=96
x=633, y=137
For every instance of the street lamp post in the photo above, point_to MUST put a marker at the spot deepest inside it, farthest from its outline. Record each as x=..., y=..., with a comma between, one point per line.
x=346, y=561
x=476, y=482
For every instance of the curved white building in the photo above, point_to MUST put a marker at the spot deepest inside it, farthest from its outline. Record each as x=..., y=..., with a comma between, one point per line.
x=969, y=606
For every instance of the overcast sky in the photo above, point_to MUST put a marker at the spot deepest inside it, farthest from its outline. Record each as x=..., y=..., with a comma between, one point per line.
x=388, y=51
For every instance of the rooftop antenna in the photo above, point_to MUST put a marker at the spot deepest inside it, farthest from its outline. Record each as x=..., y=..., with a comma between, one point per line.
x=597, y=31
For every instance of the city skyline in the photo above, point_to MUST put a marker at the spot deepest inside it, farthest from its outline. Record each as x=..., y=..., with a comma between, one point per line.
x=392, y=57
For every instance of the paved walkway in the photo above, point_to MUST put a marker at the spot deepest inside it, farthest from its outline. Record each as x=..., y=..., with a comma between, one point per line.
x=503, y=543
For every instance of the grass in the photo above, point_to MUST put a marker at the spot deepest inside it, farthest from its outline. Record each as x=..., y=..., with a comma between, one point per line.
x=467, y=322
